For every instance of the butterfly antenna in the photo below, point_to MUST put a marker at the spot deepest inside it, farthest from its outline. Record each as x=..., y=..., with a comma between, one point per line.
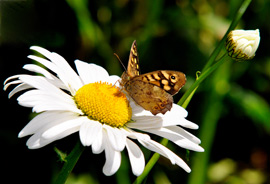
x=120, y=61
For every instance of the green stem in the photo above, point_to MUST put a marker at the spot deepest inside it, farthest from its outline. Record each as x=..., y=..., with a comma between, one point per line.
x=164, y=142
x=201, y=78
x=234, y=23
x=150, y=164
x=209, y=122
x=190, y=92
x=71, y=161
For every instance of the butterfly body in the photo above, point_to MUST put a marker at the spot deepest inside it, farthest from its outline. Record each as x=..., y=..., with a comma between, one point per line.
x=153, y=91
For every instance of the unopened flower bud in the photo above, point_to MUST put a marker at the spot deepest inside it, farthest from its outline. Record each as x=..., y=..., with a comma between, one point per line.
x=242, y=44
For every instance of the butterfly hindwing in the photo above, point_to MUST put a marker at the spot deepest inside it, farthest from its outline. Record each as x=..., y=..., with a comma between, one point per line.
x=149, y=96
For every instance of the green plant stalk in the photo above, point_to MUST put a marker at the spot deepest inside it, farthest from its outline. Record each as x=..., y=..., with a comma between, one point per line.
x=200, y=161
x=164, y=141
x=234, y=23
x=211, y=116
x=186, y=102
x=71, y=161
x=201, y=78
x=190, y=92
x=150, y=164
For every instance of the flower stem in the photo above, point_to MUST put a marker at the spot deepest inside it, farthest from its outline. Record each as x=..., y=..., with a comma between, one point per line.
x=234, y=23
x=150, y=164
x=201, y=78
x=206, y=71
x=71, y=161
x=164, y=141
x=190, y=92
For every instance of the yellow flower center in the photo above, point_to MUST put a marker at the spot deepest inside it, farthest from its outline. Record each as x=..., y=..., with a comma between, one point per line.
x=105, y=103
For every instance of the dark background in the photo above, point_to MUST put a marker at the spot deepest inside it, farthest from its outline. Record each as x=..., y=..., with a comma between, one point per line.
x=178, y=35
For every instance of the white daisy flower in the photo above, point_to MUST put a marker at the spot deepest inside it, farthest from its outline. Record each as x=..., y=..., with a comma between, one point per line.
x=92, y=103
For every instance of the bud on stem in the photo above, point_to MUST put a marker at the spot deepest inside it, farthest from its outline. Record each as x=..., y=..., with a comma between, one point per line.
x=242, y=44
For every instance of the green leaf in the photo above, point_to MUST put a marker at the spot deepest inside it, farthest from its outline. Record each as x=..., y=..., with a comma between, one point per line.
x=62, y=156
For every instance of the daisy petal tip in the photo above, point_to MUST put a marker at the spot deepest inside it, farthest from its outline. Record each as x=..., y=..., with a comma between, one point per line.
x=186, y=168
x=197, y=148
x=21, y=134
x=77, y=61
x=35, y=47
x=85, y=144
x=194, y=126
x=200, y=149
x=107, y=173
x=137, y=173
x=84, y=141
x=33, y=146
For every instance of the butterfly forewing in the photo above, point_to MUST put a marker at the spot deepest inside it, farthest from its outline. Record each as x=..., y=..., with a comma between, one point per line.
x=170, y=81
x=133, y=68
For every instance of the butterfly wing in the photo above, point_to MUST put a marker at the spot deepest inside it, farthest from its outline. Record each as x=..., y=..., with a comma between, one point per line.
x=170, y=81
x=153, y=91
x=149, y=96
x=133, y=68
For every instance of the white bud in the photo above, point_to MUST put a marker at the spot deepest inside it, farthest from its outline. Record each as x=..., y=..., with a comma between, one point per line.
x=242, y=44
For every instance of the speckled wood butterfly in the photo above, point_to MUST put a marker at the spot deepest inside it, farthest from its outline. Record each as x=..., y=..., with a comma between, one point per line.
x=153, y=91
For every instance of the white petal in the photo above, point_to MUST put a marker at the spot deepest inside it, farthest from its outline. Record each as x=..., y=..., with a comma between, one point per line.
x=36, y=141
x=41, y=50
x=38, y=69
x=7, y=83
x=98, y=143
x=136, y=135
x=19, y=88
x=61, y=67
x=90, y=73
x=114, y=80
x=63, y=127
x=41, y=83
x=50, y=78
x=68, y=75
x=43, y=101
x=173, y=117
x=176, y=109
x=51, y=66
x=113, y=159
x=180, y=137
x=162, y=150
x=89, y=131
x=46, y=119
x=137, y=110
x=177, y=117
x=184, y=133
x=116, y=138
x=145, y=122
x=136, y=158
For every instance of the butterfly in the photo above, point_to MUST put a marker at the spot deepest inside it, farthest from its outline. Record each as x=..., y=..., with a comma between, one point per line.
x=153, y=91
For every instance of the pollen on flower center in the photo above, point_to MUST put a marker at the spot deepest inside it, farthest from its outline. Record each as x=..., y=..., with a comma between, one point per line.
x=105, y=103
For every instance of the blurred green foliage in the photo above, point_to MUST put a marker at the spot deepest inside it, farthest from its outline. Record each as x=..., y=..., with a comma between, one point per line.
x=178, y=35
